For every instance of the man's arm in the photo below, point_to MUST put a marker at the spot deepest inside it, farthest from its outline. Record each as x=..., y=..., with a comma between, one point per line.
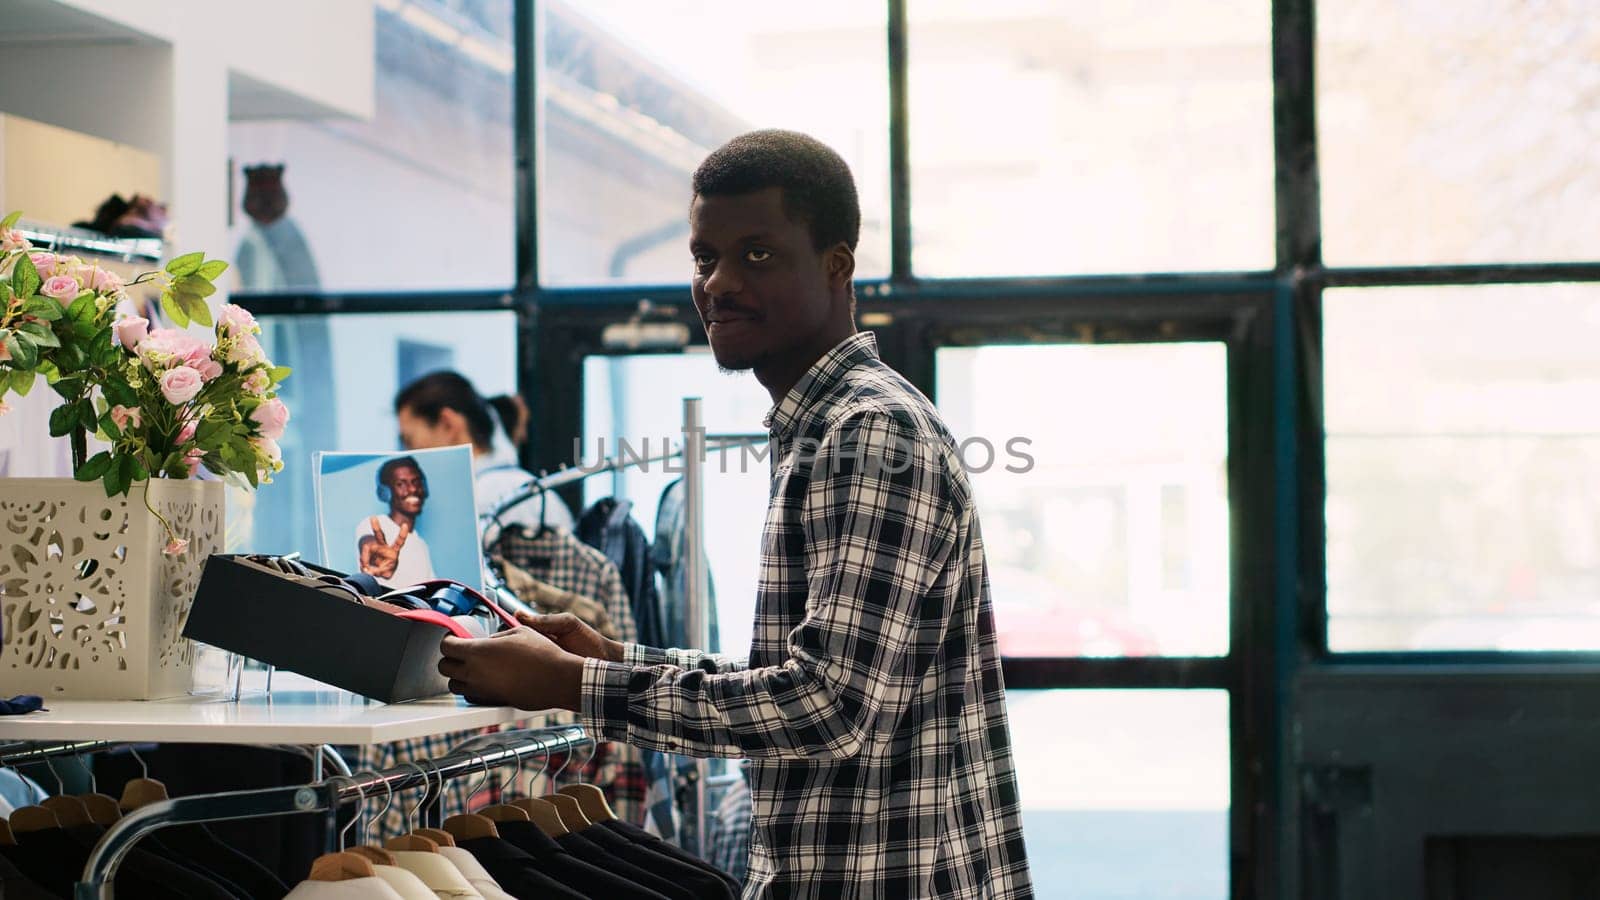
x=880, y=520
x=710, y=663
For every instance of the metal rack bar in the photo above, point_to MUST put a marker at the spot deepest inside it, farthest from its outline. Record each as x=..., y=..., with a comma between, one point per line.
x=697, y=614
x=322, y=796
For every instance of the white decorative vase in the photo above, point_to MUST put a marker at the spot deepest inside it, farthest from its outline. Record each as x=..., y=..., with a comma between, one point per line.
x=92, y=609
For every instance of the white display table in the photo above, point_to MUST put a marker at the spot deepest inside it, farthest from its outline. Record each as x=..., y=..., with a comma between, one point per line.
x=299, y=711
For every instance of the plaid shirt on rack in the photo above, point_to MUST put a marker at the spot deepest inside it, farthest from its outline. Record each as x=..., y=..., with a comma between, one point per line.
x=872, y=707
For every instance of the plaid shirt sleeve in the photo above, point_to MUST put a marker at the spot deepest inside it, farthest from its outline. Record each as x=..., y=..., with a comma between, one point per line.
x=711, y=663
x=880, y=520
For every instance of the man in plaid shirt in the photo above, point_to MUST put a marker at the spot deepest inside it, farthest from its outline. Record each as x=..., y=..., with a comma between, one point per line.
x=871, y=707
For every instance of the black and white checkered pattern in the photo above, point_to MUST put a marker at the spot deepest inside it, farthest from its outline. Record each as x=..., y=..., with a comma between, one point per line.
x=872, y=706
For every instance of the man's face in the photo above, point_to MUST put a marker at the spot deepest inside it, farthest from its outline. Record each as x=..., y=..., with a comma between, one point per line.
x=406, y=484
x=760, y=287
x=417, y=433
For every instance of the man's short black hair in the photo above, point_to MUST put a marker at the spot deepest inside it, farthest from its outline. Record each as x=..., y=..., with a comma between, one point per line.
x=433, y=393
x=817, y=186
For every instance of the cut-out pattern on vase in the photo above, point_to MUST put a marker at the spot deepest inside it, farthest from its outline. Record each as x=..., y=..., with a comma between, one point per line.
x=90, y=606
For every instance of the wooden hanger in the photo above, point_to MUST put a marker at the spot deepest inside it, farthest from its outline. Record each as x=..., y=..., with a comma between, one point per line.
x=437, y=835
x=376, y=854
x=544, y=814
x=144, y=790
x=7, y=839
x=592, y=800
x=341, y=866
x=467, y=826
x=70, y=811
x=571, y=814
x=33, y=818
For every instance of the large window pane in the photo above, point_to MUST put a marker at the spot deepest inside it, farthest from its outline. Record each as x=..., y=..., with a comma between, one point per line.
x=1463, y=454
x=419, y=197
x=1459, y=132
x=347, y=370
x=634, y=95
x=1124, y=793
x=639, y=400
x=1113, y=539
x=1094, y=136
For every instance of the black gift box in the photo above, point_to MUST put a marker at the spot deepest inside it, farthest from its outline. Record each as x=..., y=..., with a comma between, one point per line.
x=250, y=609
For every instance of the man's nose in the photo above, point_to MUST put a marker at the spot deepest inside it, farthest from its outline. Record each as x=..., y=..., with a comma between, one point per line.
x=723, y=281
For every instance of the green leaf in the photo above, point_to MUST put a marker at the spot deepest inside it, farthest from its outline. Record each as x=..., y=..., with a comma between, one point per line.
x=24, y=355
x=118, y=393
x=108, y=427
x=279, y=373
x=187, y=264
x=86, y=413
x=25, y=278
x=83, y=308
x=94, y=467
x=10, y=222
x=212, y=269
x=173, y=311
x=194, y=305
x=136, y=469
x=196, y=284
x=68, y=388
x=22, y=382
x=62, y=418
x=41, y=334
x=114, y=480
x=40, y=307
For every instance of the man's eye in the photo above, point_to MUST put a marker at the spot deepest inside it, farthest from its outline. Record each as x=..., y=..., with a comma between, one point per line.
x=701, y=260
x=758, y=255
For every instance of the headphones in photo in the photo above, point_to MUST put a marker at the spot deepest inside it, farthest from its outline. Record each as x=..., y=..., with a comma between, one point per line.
x=386, y=493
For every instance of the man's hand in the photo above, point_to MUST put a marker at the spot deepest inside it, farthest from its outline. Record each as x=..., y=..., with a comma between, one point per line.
x=379, y=558
x=574, y=635
x=519, y=667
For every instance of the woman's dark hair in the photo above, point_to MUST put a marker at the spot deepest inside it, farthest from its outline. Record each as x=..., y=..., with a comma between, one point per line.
x=433, y=393
x=513, y=415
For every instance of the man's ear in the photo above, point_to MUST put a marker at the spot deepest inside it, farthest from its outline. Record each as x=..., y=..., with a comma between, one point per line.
x=840, y=264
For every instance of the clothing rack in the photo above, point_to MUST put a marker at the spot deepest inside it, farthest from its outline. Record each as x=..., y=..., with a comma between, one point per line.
x=56, y=239
x=24, y=752
x=326, y=795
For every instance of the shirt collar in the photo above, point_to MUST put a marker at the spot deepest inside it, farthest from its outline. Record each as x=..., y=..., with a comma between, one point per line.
x=823, y=375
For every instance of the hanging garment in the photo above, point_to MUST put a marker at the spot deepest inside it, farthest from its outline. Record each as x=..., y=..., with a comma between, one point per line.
x=476, y=874
x=547, y=598
x=591, y=853
x=608, y=527
x=223, y=862
x=54, y=858
x=670, y=794
x=649, y=841
x=518, y=872
x=372, y=888
x=691, y=880
x=539, y=851
x=730, y=831
x=404, y=883
x=16, y=886
x=561, y=560
x=438, y=873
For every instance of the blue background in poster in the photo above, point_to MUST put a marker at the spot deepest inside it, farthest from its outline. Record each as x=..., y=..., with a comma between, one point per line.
x=449, y=520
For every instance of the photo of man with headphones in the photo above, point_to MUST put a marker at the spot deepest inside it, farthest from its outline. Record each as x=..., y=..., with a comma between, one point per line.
x=387, y=546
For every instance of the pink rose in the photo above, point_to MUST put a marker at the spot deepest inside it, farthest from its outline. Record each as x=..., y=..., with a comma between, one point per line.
x=272, y=416
x=186, y=433
x=246, y=351
x=61, y=287
x=236, y=320
x=43, y=261
x=269, y=448
x=122, y=415
x=257, y=382
x=164, y=348
x=4, y=408
x=131, y=331
x=180, y=385
x=4, y=353
x=13, y=240
x=175, y=546
x=208, y=368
